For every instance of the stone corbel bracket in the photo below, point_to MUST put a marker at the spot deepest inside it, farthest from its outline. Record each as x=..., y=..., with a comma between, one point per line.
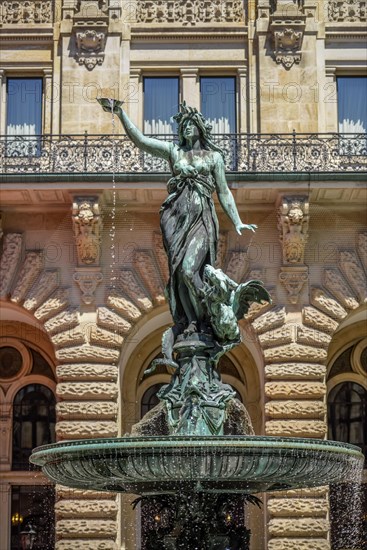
x=287, y=38
x=88, y=278
x=90, y=26
x=293, y=222
x=293, y=279
x=87, y=225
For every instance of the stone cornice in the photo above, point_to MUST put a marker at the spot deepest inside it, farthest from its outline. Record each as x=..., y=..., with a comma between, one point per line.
x=209, y=33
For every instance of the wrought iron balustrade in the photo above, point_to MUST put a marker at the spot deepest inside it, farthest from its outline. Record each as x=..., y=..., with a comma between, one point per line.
x=251, y=153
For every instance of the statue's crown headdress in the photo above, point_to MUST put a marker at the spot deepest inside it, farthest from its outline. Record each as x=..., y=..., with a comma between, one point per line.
x=187, y=112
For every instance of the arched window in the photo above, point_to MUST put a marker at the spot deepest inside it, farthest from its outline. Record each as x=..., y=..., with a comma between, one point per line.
x=150, y=399
x=34, y=420
x=347, y=414
x=347, y=417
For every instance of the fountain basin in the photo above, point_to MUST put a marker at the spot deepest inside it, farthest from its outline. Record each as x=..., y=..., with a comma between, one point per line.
x=222, y=464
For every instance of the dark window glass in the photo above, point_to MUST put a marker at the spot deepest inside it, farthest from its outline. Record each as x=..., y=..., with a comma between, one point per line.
x=347, y=417
x=342, y=364
x=352, y=104
x=23, y=115
x=34, y=420
x=10, y=362
x=40, y=365
x=218, y=103
x=150, y=399
x=347, y=414
x=161, y=99
x=32, y=509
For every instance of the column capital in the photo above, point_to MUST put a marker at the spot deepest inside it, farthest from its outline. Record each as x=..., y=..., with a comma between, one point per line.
x=330, y=72
x=189, y=72
x=242, y=72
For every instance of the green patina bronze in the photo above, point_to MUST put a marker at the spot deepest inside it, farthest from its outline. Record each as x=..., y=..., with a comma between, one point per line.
x=205, y=304
x=194, y=457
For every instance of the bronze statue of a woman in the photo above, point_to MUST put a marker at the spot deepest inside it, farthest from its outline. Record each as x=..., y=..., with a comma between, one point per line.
x=188, y=220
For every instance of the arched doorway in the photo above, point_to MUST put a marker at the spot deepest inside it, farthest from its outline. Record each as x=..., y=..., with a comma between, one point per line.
x=347, y=422
x=138, y=390
x=27, y=399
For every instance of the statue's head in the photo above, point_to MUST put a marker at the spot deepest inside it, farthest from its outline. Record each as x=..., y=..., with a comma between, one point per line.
x=190, y=121
x=295, y=213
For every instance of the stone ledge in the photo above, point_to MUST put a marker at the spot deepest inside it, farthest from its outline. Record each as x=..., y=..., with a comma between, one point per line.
x=296, y=428
x=298, y=527
x=297, y=507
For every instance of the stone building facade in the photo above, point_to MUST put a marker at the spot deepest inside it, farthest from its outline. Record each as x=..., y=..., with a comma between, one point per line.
x=83, y=269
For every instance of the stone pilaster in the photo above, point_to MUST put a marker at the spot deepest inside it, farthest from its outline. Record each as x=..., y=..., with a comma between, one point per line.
x=190, y=86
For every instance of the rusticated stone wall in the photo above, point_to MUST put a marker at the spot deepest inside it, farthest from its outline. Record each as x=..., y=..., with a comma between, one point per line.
x=295, y=355
x=87, y=389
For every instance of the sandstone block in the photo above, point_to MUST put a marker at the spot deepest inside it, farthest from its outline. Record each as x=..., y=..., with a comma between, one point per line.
x=297, y=507
x=299, y=544
x=295, y=390
x=86, y=410
x=86, y=509
x=296, y=428
x=85, y=371
x=85, y=429
x=298, y=527
x=294, y=371
x=87, y=390
x=295, y=409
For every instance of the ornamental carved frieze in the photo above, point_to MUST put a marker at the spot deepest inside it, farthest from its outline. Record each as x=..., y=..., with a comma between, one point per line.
x=22, y=12
x=87, y=225
x=293, y=221
x=189, y=12
x=347, y=10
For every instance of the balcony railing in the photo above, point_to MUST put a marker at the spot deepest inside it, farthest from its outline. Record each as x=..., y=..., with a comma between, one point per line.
x=250, y=153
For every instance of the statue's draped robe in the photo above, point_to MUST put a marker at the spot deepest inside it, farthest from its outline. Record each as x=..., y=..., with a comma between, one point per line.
x=188, y=212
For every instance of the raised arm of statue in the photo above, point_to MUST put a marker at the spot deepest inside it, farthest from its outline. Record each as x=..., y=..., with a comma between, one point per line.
x=153, y=146
x=226, y=198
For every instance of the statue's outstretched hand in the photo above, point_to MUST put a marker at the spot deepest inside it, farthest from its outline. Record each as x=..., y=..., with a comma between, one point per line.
x=107, y=104
x=241, y=226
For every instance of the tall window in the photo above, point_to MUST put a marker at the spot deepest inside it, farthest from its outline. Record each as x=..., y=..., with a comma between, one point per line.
x=218, y=103
x=347, y=419
x=161, y=99
x=352, y=104
x=34, y=420
x=24, y=114
x=347, y=414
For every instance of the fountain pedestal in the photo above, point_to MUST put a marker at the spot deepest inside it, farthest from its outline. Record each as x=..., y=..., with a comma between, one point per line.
x=196, y=398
